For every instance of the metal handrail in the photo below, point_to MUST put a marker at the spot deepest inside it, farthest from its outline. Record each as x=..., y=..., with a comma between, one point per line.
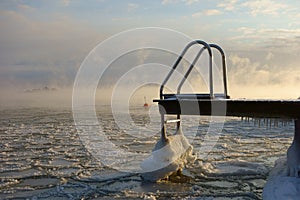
x=180, y=58
x=196, y=59
x=223, y=66
x=189, y=70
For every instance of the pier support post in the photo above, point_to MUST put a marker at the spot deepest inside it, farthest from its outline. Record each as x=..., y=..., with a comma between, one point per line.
x=293, y=153
x=164, y=136
x=297, y=130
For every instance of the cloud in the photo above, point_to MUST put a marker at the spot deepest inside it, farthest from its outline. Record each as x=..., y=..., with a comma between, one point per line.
x=270, y=56
x=26, y=8
x=258, y=7
x=190, y=2
x=266, y=7
x=247, y=71
x=246, y=30
x=242, y=68
x=47, y=51
x=228, y=5
x=186, y=2
x=66, y=2
x=268, y=38
x=132, y=6
x=165, y=2
x=121, y=19
x=211, y=12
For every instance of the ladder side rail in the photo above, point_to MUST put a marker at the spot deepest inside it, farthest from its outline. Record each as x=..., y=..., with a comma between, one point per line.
x=224, y=68
x=180, y=58
x=189, y=70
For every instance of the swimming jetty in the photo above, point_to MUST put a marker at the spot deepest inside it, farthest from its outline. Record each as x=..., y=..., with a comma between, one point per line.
x=216, y=104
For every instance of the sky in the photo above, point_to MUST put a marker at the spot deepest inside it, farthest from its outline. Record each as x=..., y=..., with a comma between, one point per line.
x=43, y=42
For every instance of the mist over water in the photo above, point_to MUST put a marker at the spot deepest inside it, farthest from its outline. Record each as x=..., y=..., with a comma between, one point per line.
x=242, y=83
x=63, y=97
x=14, y=98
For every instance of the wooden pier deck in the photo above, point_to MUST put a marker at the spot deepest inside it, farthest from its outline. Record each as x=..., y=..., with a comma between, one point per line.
x=264, y=108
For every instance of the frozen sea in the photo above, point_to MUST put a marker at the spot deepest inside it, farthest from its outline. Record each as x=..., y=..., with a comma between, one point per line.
x=43, y=157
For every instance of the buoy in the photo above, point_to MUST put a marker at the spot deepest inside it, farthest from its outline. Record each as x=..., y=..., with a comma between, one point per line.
x=146, y=105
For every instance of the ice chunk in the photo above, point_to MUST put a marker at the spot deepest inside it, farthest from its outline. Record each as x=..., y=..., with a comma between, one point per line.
x=293, y=153
x=167, y=158
x=281, y=186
